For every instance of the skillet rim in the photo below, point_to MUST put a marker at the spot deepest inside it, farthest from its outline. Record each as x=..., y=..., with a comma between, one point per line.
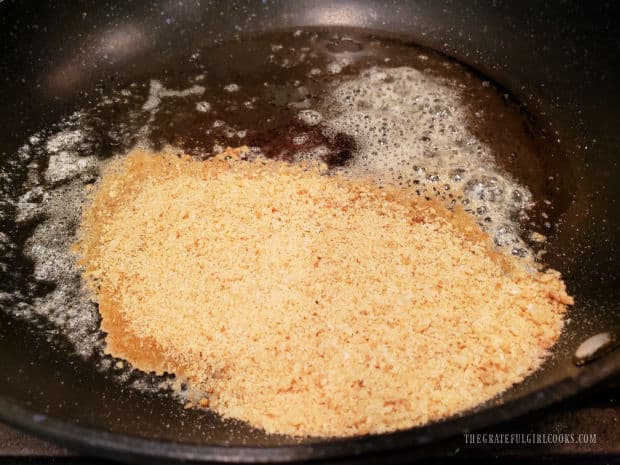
x=132, y=448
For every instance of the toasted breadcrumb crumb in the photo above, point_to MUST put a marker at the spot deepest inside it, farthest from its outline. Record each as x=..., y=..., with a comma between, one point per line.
x=307, y=304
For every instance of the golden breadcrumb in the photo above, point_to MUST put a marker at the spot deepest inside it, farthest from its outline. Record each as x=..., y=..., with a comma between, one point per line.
x=307, y=304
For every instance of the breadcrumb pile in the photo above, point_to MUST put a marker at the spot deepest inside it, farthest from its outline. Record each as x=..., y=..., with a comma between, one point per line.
x=308, y=304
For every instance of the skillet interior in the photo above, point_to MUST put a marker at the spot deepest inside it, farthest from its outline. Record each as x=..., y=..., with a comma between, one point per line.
x=68, y=52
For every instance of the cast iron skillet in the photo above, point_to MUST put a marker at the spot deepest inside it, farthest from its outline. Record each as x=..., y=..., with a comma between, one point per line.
x=557, y=58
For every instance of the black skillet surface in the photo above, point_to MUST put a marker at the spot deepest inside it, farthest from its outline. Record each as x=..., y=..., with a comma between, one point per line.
x=556, y=58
